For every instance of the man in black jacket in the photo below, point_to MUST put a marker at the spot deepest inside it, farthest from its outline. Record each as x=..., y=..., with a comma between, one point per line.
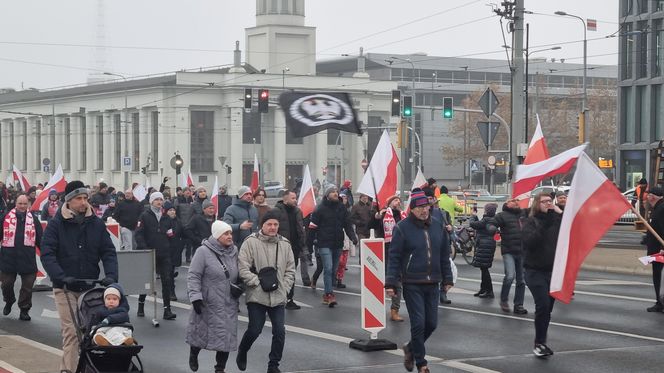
x=152, y=233
x=510, y=221
x=291, y=226
x=74, y=242
x=184, y=210
x=126, y=214
x=20, y=235
x=224, y=201
x=200, y=226
x=654, y=199
x=326, y=233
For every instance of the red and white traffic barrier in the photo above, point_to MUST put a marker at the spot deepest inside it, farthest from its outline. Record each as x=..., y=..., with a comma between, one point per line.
x=372, y=251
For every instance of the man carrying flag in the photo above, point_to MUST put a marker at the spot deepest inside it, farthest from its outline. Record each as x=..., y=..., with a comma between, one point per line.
x=654, y=198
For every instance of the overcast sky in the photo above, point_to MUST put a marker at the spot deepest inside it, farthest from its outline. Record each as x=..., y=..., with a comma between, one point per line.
x=46, y=43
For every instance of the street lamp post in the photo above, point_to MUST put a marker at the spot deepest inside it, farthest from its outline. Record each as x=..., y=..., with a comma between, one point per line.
x=528, y=52
x=283, y=78
x=582, y=132
x=126, y=123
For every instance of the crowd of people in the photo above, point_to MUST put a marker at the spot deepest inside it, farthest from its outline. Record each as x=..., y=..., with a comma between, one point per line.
x=242, y=245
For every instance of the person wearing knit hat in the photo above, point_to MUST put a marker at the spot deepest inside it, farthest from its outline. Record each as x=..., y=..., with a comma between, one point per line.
x=419, y=259
x=116, y=311
x=655, y=202
x=389, y=217
x=199, y=197
x=261, y=254
x=326, y=232
x=199, y=226
x=150, y=235
x=173, y=229
x=212, y=273
x=346, y=188
x=64, y=260
x=485, y=229
x=242, y=215
x=51, y=206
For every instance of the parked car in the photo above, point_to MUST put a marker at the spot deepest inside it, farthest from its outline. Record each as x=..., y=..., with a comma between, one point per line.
x=274, y=189
x=628, y=217
x=547, y=189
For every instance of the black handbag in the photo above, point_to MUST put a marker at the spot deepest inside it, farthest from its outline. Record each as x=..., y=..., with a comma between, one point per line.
x=267, y=276
x=237, y=288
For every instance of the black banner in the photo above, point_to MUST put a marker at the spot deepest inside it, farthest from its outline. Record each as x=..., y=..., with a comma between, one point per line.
x=309, y=113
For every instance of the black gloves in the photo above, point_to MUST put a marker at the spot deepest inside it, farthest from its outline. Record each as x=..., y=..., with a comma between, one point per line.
x=107, y=281
x=198, y=306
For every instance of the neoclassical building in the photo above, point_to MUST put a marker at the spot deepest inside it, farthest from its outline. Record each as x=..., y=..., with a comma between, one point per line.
x=199, y=115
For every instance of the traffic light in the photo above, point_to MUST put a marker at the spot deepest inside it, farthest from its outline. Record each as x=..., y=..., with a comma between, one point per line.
x=247, y=98
x=407, y=106
x=263, y=100
x=396, y=103
x=144, y=170
x=229, y=169
x=448, y=111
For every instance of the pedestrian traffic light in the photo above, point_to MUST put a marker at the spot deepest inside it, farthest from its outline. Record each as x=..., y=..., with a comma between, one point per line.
x=448, y=111
x=407, y=106
x=396, y=103
x=263, y=100
x=247, y=98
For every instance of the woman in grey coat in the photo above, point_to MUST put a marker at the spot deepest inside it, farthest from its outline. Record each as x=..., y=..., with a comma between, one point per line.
x=213, y=321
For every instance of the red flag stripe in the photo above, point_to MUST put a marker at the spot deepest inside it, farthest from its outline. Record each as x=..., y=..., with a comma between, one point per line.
x=389, y=186
x=525, y=185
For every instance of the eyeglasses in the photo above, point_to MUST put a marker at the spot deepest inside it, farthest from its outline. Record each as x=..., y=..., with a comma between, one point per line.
x=546, y=201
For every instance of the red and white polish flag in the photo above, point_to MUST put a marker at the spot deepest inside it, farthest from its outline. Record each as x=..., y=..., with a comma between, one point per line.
x=529, y=175
x=187, y=179
x=537, y=150
x=380, y=180
x=215, y=196
x=419, y=182
x=306, y=200
x=255, y=176
x=593, y=206
x=56, y=182
x=21, y=180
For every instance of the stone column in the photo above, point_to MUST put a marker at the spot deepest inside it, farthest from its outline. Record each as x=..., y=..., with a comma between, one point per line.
x=5, y=158
x=143, y=140
x=59, y=134
x=88, y=175
x=319, y=152
x=109, y=147
x=30, y=163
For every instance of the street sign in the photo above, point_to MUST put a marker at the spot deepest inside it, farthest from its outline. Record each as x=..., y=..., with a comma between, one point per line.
x=46, y=168
x=488, y=102
x=488, y=132
x=46, y=161
x=474, y=166
x=126, y=164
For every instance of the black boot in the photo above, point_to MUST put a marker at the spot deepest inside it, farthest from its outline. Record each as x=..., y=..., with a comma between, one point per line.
x=340, y=285
x=8, y=308
x=141, y=309
x=24, y=316
x=168, y=315
x=241, y=359
x=193, y=360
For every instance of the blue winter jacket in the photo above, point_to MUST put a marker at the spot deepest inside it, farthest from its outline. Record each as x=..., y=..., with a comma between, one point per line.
x=419, y=253
x=74, y=248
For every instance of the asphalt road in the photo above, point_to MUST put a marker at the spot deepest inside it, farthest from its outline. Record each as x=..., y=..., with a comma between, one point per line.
x=622, y=236
x=604, y=329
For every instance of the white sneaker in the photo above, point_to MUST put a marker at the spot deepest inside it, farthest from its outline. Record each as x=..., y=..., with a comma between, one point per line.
x=542, y=350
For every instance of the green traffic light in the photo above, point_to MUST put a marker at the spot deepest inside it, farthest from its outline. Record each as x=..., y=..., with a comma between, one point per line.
x=447, y=114
x=407, y=112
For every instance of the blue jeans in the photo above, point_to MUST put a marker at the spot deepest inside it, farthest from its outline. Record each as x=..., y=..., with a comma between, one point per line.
x=539, y=283
x=330, y=259
x=257, y=314
x=513, y=270
x=422, y=305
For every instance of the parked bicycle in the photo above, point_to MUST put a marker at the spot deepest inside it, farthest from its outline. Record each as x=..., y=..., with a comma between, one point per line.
x=463, y=241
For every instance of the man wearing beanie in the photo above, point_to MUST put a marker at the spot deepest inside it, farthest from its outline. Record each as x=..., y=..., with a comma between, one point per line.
x=326, y=233
x=200, y=226
x=74, y=242
x=152, y=234
x=655, y=202
x=126, y=214
x=199, y=197
x=419, y=257
x=242, y=215
x=444, y=217
x=260, y=251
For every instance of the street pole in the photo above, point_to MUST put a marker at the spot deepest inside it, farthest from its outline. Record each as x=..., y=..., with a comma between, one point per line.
x=517, y=83
x=126, y=123
x=583, y=129
x=404, y=151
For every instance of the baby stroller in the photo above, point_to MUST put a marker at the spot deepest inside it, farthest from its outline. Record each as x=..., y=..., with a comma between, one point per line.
x=97, y=359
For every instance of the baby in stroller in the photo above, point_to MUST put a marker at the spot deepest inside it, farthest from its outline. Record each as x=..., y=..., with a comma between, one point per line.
x=114, y=312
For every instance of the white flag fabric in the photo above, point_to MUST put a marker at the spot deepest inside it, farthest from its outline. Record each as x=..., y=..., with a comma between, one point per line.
x=306, y=200
x=380, y=180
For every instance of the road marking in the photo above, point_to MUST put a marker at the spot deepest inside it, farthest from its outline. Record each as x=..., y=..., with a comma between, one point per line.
x=35, y=344
x=466, y=367
x=5, y=367
x=610, y=282
x=50, y=314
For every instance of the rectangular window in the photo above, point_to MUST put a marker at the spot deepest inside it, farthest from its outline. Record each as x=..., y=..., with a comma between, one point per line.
x=659, y=5
x=84, y=143
x=251, y=128
x=117, y=142
x=67, y=149
x=154, y=132
x=100, y=142
x=657, y=115
x=627, y=7
x=202, y=141
x=659, y=49
x=284, y=6
x=12, y=140
x=628, y=114
x=135, y=138
x=642, y=107
x=642, y=57
x=628, y=51
x=333, y=136
x=38, y=148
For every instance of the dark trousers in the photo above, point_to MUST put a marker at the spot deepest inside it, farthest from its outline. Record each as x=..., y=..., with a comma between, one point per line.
x=486, y=284
x=422, y=305
x=24, y=295
x=257, y=314
x=657, y=279
x=539, y=282
x=221, y=357
x=165, y=272
x=291, y=292
x=319, y=268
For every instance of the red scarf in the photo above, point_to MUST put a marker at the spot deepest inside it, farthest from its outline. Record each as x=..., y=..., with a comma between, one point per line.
x=53, y=207
x=389, y=223
x=9, y=230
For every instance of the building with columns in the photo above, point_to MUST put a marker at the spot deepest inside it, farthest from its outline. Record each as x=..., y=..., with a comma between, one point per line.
x=199, y=115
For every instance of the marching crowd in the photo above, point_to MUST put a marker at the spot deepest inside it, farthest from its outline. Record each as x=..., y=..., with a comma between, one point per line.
x=242, y=246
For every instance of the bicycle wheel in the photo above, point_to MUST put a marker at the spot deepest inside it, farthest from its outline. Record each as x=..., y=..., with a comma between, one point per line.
x=468, y=251
x=453, y=249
